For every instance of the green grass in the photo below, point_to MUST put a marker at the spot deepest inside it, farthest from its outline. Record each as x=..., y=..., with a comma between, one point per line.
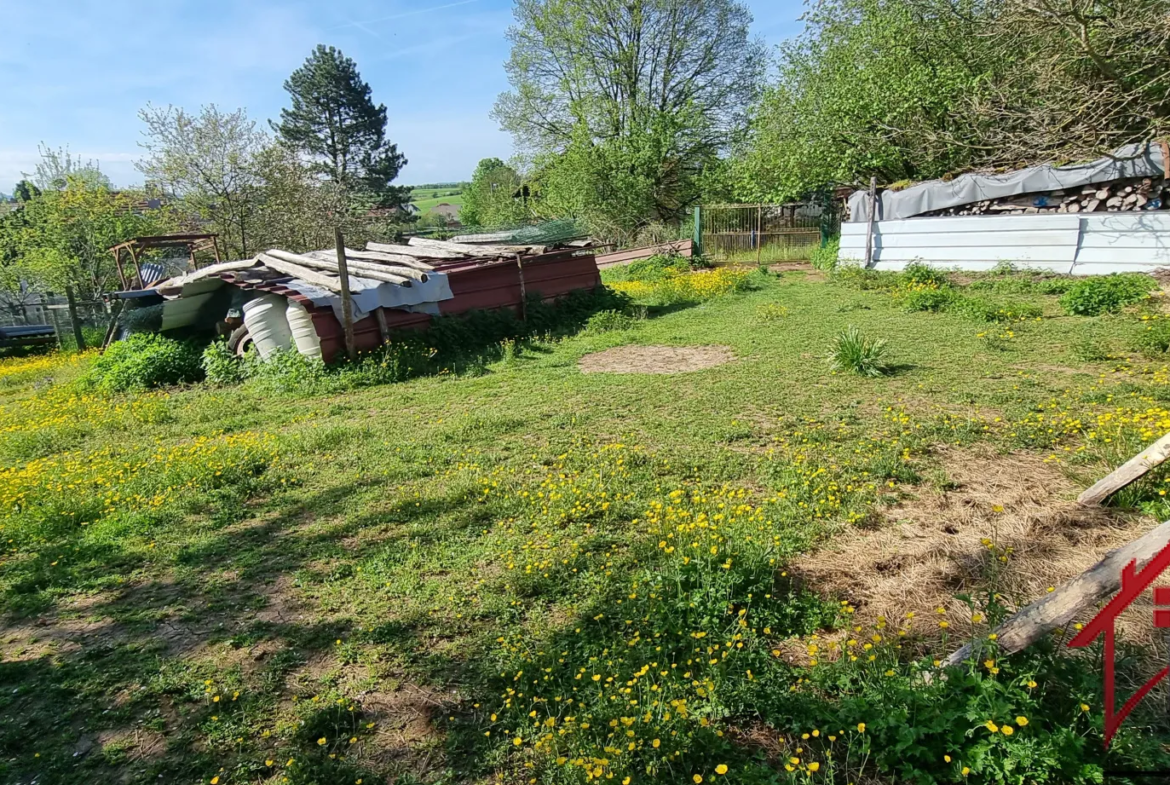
x=385, y=583
x=424, y=201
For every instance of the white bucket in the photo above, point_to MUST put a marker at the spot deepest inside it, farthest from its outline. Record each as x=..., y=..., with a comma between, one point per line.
x=267, y=323
x=304, y=334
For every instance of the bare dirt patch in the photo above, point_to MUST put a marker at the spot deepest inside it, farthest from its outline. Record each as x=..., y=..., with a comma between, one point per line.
x=655, y=359
x=928, y=549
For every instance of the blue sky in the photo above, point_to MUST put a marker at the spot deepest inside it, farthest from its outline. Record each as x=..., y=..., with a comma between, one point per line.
x=76, y=73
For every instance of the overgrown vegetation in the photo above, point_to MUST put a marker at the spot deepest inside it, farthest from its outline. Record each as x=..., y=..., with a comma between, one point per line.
x=1095, y=295
x=141, y=362
x=666, y=280
x=559, y=576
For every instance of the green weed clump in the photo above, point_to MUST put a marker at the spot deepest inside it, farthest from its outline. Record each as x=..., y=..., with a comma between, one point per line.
x=609, y=321
x=1023, y=284
x=991, y=311
x=853, y=352
x=656, y=268
x=141, y=362
x=1096, y=295
x=221, y=367
x=920, y=274
x=929, y=299
x=1153, y=337
x=772, y=312
x=825, y=257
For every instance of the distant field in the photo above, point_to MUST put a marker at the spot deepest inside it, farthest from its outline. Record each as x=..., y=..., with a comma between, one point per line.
x=426, y=204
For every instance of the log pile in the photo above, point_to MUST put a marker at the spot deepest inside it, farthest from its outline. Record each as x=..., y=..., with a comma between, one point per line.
x=1132, y=195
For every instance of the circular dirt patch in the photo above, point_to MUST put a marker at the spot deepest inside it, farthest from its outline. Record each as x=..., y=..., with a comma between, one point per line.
x=655, y=359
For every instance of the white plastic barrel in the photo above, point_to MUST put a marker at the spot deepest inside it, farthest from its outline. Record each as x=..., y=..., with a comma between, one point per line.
x=304, y=334
x=267, y=323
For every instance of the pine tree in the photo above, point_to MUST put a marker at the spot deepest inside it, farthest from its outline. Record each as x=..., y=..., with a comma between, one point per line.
x=334, y=119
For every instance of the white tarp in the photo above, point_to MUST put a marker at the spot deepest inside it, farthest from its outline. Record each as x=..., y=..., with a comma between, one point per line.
x=1135, y=160
x=418, y=297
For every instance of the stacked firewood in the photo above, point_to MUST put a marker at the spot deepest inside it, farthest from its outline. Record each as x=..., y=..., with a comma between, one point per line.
x=1131, y=195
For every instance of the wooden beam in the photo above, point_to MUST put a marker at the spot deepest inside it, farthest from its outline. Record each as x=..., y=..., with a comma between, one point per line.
x=377, y=256
x=398, y=275
x=137, y=266
x=305, y=274
x=383, y=326
x=1128, y=473
x=117, y=251
x=1060, y=607
x=473, y=250
x=414, y=253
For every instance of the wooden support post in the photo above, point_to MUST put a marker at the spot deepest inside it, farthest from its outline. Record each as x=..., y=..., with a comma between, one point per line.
x=115, y=312
x=869, y=228
x=56, y=327
x=121, y=272
x=346, y=302
x=137, y=267
x=697, y=234
x=523, y=291
x=78, y=335
x=383, y=327
x=191, y=253
x=759, y=234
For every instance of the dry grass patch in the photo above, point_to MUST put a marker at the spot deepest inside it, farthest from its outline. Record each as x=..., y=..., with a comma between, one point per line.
x=930, y=548
x=655, y=359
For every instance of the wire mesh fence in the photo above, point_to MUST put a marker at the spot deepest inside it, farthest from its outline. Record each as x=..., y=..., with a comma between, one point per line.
x=38, y=310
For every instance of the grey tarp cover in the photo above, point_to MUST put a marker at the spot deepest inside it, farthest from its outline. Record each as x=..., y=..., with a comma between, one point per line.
x=1135, y=160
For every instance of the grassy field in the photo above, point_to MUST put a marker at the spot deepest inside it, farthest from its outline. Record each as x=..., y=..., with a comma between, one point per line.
x=524, y=573
x=424, y=198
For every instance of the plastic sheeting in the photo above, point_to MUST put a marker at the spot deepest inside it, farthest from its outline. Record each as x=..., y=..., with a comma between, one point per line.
x=1135, y=160
x=418, y=297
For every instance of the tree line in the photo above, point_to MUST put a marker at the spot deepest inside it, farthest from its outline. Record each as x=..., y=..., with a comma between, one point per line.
x=627, y=113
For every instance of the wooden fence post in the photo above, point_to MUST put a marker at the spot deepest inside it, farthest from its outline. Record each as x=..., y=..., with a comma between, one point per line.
x=346, y=303
x=78, y=335
x=869, y=227
x=697, y=234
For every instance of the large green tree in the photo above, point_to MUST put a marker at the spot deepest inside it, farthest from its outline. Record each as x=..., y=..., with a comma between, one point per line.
x=494, y=196
x=333, y=119
x=208, y=160
x=919, y=89
x=296, y=210
x=593, y=81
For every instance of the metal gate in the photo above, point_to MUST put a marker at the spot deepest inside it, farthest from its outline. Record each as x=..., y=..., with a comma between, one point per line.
x=761, y=233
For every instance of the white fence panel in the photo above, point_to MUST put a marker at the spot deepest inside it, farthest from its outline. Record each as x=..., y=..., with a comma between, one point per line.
x=1095, y=244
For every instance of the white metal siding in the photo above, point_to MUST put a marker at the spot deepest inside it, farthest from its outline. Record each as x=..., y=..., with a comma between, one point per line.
x=1095, y=244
